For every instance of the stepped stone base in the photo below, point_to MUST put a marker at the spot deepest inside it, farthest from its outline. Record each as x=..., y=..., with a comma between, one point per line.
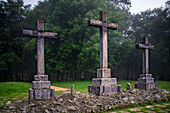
x=41, y=88
x=104, y=86
x=146, y=82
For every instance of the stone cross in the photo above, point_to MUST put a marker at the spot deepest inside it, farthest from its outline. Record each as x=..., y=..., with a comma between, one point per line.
x=40, y=34
x=145, y=54
x=40, y=86
x=103, y=84
x=104, y=25
x=146, y=81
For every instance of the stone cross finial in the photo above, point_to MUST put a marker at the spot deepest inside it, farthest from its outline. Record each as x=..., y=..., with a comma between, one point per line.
x=104, y=25
x=40, y=34
x=145, y=55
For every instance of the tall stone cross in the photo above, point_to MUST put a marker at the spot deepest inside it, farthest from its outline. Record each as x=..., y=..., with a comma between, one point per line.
x=103, y=84
x=40, y=34
x=40, y=86
x=104, y=25
x=145, y=54
x=146, y=81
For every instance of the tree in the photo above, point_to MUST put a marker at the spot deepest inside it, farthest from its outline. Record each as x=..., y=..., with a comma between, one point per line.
x=12, y=16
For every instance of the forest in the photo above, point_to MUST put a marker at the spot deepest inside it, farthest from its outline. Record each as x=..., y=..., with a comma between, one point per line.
x=75, y=54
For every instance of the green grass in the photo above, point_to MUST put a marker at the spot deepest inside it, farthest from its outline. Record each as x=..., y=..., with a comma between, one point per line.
x=82, y=86
x=163, y=85
x=13, y=91
x=79, y=86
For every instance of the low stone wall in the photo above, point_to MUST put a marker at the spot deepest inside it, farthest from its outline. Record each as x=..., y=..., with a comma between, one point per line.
x=87, y=102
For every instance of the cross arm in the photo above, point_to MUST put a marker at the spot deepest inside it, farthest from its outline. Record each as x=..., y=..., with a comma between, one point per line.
x=36, y=34
x=143, y=46
x=112, y=26
x=97, y=23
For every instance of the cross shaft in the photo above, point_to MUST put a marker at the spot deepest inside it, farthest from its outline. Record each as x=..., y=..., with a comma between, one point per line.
x=145, y=54
x=40, y=34
x=104, y=25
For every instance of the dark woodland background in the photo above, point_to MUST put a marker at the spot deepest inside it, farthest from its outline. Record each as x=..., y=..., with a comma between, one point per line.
x=75, y=54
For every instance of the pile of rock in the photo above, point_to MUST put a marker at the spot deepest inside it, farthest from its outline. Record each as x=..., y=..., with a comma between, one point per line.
x=87, y=102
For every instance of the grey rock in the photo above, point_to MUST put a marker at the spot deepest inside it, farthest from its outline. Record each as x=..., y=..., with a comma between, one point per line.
x=158, y=98
x=72, y=108
x=128, y=86
x=125, y=99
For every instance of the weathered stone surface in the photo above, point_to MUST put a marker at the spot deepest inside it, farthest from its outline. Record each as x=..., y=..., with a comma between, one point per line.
x=41, y=84
x=118, y=88
x=146, y=86
x=42, y=94
x=52, y=93
x=128, y=86
x=31, y=94
x=103, y=89
x=96, y=90
x=41, y=77
x=104, y=73
x=145, y=80
x=145, y=75
x=104, y=81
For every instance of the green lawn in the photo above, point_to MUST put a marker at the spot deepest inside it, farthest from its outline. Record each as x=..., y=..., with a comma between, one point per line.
x=18, y=91
x=13, y=91
x=81, y=86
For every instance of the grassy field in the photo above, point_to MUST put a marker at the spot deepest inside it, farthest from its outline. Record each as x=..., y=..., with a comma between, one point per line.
x=81, y=86
x=18, y=91
x=13, y=91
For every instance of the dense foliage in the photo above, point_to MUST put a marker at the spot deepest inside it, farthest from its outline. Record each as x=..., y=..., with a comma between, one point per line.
x=75, y=54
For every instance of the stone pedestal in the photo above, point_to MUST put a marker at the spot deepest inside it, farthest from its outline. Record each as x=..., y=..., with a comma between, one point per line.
x=146, y=82
x=41, y=88
x=104, y=73
x=104, y=84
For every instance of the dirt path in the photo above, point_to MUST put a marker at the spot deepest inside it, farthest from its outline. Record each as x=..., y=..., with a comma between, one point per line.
x=59, y=88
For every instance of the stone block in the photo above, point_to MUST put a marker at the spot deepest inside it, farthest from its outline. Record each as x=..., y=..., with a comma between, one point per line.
x=103, y=89
x=145, y=76
x=110, y=89
x=41, y=84
x=31, y=94
x=146, y=86
x=114, y=89
x=107, y=89
x=118, y=88
x=104, y=81
x=42, y=94
x=90, y=89
x=95, y=90
x=151, y=86
x=146, y=80
x=104, y=73
x=52, y=93
x=41, y=77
